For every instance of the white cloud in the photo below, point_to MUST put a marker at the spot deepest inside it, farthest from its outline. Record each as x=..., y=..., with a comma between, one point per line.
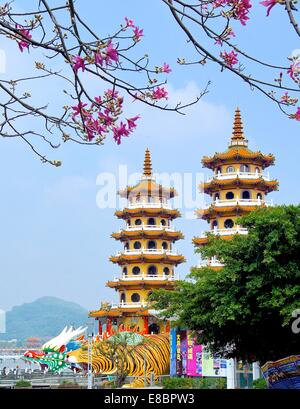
x=200, y=120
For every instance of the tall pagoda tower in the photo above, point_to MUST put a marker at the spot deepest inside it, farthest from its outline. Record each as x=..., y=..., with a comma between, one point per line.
x=238, y=186
x=147, y=259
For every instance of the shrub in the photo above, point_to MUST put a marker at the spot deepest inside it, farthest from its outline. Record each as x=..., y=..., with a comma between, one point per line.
x=260, y=384
x=194, y=383
x=23, y=384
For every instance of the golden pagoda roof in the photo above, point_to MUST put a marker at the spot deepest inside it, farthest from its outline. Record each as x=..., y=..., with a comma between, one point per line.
x=139, y=283
x=163, y=234
x=127, y=258
x=259, y=183
x=238, y=150
x=213, y=211
x=119, y=312
x=147, y=185
x=140, y=211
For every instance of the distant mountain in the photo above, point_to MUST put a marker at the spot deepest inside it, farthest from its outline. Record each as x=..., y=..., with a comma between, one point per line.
x=42, y=318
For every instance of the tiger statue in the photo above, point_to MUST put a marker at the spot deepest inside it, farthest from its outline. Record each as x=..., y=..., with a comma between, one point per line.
x=149, y=353
x=141, y=355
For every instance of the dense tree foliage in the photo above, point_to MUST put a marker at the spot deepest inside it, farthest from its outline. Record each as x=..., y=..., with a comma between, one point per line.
x=244, y=310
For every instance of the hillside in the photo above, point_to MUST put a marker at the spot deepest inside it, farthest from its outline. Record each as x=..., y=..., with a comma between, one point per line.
x=42, y=318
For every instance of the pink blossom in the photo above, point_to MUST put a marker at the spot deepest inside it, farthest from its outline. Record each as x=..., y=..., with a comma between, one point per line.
x=240, y=8
x=160, y=93
x=131, y=122
x=230, y=59
x=111, y=53
x=79, y=109
x=138, y=33
x=297, y=114
x=99, y=58
x=119, y=132
x=78, y=63
x=270, y=4
x=129, y=23
x=166, y=68
x=294, y=69
x=22, y=43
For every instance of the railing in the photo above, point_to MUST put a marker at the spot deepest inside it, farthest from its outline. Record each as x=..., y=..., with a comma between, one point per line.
x=149, y=205
x=213, y=262
x=147, y=277
x=241, y=175
x=147, y=251
x=148, y=227
x=241, y=202
x=225, y=232
x=129, y=305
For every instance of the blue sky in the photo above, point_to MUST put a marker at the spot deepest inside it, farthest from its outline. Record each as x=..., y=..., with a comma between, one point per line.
x=54, y=239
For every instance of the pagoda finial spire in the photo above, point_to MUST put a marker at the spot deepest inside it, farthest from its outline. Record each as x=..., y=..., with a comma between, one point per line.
x=147, y=164
x=238, y=137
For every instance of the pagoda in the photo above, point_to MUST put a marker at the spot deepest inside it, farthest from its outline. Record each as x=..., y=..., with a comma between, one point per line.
x=147, y=259
x=238, y=185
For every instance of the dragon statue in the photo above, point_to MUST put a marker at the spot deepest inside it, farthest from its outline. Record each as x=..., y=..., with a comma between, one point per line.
x=138, y=354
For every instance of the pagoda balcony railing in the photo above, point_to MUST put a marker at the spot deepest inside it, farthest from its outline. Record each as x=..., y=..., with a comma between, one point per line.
x=240, y=202
x=129, y=305
x=145, y=277
x=146, y=205
x=147, y=251
x=212, y=262
x=225, y=232
x=238, y=174
x=149, y=227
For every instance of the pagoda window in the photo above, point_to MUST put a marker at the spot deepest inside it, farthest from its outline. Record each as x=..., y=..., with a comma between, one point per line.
x=123, y=297
x=165, y=245
x=214, y=225
x=150, y=199
x=230, y=169
x=136, y=270
x=218, y=170
x=246, y=195
x=163, y=222
x=138, y=198
x=126, y=246
x=125, y=271
x=151, y=245
x=244, y=168
x=257, y=170
x=166, y=271
x=152, y=270
x=135, y=297
x=137, y=245
x=138, y=222
x=259, y=196
x=229, y=195
x=150, y=293
x=151, y=221
x=129, y=222
x=217, y=196
x=228, y=224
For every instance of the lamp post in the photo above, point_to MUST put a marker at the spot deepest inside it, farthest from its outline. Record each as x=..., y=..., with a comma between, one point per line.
x=90, y=355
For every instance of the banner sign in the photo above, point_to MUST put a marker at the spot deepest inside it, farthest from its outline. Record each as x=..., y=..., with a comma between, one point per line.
x=283, y=374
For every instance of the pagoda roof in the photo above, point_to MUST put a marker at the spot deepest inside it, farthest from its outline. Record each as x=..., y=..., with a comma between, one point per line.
x=213, y=211
x=163, y=234
x=139, y=283
x=238, y=150
x=260, y=183
x=140, y=211
x=147, y=186
x=128, y=258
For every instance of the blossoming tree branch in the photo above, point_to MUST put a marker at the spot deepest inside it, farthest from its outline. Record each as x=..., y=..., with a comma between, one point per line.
x=217, y=20
x=73, y=53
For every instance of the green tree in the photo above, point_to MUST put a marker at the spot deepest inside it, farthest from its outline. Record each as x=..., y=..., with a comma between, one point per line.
x=244, y=310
